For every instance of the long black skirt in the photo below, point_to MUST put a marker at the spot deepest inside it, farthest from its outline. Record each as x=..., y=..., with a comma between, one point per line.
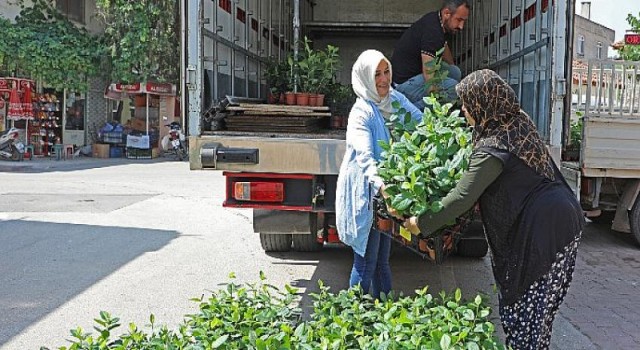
x=527, y=322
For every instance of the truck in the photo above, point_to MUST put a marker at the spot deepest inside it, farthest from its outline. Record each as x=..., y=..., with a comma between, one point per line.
x=606, y=172
x=289, y=178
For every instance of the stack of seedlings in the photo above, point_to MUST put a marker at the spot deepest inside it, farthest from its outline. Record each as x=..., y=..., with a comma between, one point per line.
x=421, y=164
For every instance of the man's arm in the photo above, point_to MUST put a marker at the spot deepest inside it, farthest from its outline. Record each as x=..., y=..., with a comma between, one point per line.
x=447, y=56
x=427, y=75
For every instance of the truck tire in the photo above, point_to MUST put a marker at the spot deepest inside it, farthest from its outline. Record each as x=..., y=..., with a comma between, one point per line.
x=634, y=219
x=308, y=242
x=275, y=242
x=472, y=242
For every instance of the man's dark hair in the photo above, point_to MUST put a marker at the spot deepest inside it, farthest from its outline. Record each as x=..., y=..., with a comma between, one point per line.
x=453, y=5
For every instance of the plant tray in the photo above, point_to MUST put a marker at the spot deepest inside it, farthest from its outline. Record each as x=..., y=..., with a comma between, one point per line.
x=137, y=153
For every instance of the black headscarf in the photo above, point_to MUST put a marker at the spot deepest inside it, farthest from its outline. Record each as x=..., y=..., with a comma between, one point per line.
x=500, y=123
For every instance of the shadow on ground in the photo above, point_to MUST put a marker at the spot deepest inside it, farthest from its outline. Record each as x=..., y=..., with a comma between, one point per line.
x=51, y=263
x=46, y=165
x=409, y=272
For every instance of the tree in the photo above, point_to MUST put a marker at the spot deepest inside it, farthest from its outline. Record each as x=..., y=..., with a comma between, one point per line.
x=142, y=39
x=44, y=45
x=631, y=52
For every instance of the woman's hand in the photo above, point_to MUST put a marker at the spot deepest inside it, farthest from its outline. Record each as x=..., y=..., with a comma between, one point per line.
x=390, y=209
x=411, y=224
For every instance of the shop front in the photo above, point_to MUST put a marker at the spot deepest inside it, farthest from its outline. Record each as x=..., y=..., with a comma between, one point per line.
x=139, y=113
x=45, y=117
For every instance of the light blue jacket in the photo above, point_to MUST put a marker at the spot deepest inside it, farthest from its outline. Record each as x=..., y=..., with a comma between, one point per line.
x=358, y=180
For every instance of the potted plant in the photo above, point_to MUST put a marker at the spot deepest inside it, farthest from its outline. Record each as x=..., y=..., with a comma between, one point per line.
x=326, y=72
x=340, y=99
x=317, y=70
x=276, y=76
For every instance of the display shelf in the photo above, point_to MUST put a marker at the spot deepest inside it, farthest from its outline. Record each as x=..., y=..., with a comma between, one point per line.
x=46, y=128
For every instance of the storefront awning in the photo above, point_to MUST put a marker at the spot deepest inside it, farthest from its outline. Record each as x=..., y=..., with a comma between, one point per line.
x=116, y=90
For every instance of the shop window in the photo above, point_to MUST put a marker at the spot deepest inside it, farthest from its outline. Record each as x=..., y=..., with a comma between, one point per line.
x=73, y=9
x=599, y=50
x=75, y=108
x=580, y=48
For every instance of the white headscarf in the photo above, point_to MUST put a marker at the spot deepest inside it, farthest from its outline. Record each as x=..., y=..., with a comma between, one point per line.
x=363, y=80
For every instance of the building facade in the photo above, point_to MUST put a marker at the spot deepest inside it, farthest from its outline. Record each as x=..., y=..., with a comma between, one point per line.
x=93, y=104
x=591, y=40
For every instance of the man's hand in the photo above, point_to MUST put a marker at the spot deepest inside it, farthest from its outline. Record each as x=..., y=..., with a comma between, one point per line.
x=411, y=224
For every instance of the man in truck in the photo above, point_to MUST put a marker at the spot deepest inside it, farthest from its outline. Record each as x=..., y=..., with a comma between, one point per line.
x=420, y=44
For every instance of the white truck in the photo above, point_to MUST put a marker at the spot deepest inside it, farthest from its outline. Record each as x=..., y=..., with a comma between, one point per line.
x=606, y=175
x=225, y=47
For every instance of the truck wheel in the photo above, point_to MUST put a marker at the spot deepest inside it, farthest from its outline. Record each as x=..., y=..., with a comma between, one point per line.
x=308, y=242
x=634, y=219
x=275, y=242
x=472, y=242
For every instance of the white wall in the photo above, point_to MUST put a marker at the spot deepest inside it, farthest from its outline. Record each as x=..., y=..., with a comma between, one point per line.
x=9, y=10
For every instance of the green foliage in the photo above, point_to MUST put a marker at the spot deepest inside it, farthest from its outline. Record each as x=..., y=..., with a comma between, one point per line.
x=353, y=320
x=575, y=134
x=142, y=39
x=425, y=160
x=438, y=75
x=260, y=316
x=277, y=75
x=631, y=52
x=44, y=45
x=317, y=68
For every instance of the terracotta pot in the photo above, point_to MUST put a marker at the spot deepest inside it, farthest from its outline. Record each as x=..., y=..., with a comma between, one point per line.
x=336, y=121
x=290, y=98
x=313, y=99
x=385, y=225
x=320, y=100
x=273, y=98
x=302, y=98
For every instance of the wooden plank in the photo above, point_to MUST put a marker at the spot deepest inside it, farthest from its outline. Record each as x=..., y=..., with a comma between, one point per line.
x=279, y=107
x=275, y=113
x=276, y=130
x=275, y=121
x=610, y=154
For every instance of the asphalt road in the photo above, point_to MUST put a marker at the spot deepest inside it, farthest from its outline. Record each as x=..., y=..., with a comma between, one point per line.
x=142, y=237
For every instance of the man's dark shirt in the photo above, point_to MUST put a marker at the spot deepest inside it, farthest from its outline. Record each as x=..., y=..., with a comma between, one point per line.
x=425, y=36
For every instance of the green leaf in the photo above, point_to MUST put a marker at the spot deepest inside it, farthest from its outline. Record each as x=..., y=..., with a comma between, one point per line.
x=218, y=342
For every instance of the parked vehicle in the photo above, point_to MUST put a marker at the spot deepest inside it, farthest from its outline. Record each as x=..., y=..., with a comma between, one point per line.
x=606, y=173
x=175, y=141
x=226, y=48
x=10, y=147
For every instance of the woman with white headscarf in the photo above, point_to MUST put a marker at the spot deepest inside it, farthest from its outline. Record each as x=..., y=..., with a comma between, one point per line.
x=358, y=180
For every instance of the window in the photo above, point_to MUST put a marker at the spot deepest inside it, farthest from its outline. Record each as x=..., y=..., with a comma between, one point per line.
x=73, y=9
x=580, y=47
x=599, y=48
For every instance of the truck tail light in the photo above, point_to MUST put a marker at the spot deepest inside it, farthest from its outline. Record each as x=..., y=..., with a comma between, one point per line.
x=259, y=191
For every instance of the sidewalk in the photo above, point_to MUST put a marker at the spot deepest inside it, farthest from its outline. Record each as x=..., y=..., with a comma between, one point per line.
x=47, y=164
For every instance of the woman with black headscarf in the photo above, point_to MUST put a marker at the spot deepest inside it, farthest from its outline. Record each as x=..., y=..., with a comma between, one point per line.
x=532, y=219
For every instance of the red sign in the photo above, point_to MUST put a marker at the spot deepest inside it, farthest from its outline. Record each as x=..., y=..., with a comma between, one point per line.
x=128, y=87
x=632, y=39
x=159, y=88
x=144, y=88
